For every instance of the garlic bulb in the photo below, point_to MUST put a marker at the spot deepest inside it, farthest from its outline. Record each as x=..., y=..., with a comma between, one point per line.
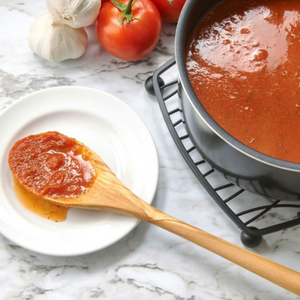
x=55, y=41
x=75, y=13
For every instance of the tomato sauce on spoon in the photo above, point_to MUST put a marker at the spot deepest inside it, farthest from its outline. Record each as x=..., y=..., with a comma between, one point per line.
x=50, y=164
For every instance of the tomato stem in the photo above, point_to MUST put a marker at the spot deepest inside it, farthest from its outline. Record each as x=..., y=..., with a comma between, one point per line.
x=128, y=10
x=171, y=2
x=125, y=9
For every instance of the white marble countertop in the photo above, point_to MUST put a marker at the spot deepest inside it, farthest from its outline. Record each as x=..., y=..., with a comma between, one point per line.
x=149, y=263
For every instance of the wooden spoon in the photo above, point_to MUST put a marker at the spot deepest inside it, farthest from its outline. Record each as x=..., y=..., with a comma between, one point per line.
x=109, y=194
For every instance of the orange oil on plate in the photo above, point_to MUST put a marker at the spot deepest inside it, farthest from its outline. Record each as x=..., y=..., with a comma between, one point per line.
x=38, y=205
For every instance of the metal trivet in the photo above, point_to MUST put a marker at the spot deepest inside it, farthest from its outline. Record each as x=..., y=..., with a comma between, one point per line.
x=242, y=207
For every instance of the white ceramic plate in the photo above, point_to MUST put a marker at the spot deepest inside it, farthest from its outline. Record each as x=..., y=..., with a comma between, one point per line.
x=106, y=125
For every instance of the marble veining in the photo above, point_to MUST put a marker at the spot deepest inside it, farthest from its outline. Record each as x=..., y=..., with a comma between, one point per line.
x=149, y=263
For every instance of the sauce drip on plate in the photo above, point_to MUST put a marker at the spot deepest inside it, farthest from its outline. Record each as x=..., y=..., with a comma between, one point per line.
x=50, y=164
x=39, y=206
x=244, y=65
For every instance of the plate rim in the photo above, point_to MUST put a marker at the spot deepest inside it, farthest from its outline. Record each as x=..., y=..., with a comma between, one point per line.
x=155, y=157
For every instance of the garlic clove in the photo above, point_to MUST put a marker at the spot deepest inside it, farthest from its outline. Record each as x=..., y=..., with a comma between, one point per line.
x=75, y=13
x=54, y=41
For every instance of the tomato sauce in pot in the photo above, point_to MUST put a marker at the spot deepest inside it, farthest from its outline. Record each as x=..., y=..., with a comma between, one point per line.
x=243, y=63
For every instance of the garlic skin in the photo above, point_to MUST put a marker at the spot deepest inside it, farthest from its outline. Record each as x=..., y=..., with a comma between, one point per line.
x=75, y=13
x=54, y=41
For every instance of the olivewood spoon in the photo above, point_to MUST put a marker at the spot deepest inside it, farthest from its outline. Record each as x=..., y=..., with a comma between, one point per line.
x=109, y=194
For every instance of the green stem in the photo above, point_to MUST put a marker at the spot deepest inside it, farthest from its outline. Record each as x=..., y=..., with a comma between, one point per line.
x=128, y=8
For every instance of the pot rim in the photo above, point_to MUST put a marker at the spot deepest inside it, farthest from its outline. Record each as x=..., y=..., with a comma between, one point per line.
x=199, y=109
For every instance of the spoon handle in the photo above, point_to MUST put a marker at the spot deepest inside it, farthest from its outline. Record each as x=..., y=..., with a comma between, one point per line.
x=111, y=195
x=276, y=273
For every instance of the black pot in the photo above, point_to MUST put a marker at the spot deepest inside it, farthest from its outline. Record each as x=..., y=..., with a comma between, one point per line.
x=249, y=169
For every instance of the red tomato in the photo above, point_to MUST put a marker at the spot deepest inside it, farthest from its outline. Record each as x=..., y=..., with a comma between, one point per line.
x=131, y=40
x=169, y=12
